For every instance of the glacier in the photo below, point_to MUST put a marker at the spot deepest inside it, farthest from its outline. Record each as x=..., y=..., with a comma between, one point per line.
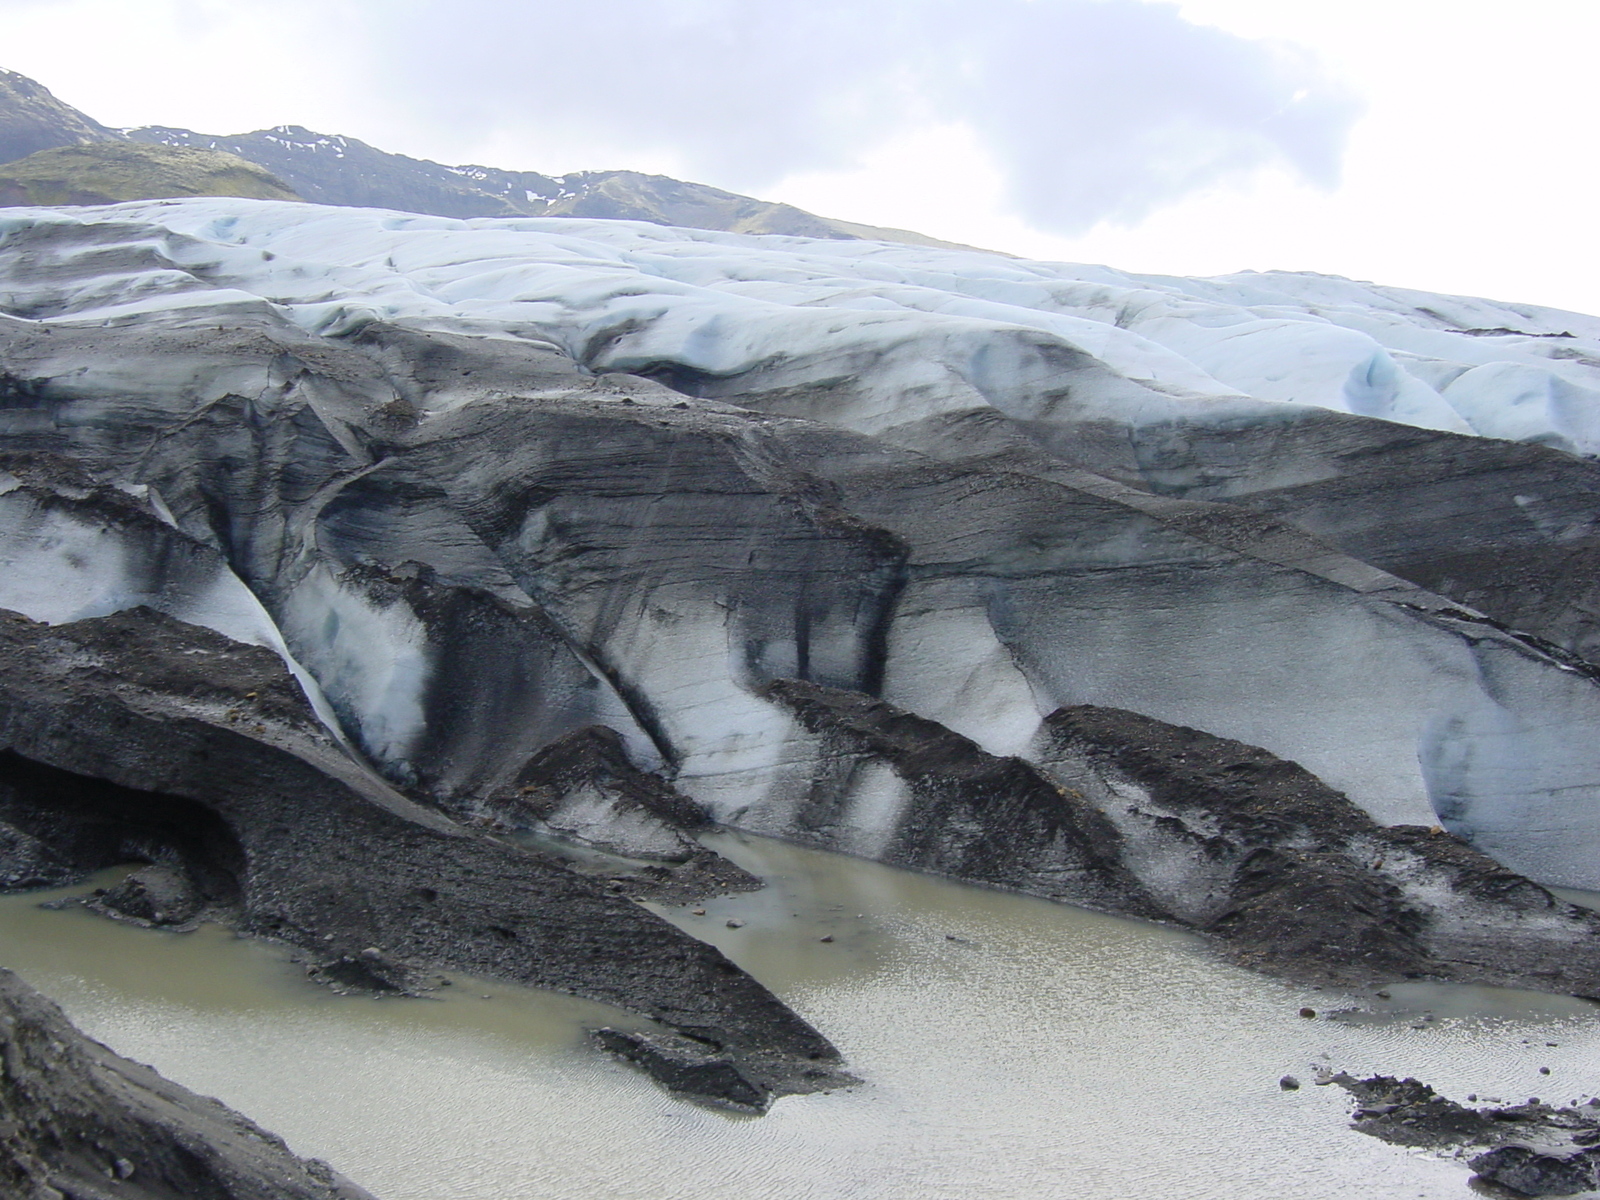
x=831, y=533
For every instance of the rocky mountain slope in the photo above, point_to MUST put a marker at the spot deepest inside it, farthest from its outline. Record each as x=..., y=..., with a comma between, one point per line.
x=348, y=551
x=330, y=169
x=31, y=119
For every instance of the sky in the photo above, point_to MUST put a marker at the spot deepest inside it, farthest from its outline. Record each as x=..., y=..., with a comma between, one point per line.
x=1437, y=144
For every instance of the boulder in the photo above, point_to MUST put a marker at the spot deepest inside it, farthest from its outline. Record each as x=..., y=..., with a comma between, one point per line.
x=1526, y=1170
x=153, y=895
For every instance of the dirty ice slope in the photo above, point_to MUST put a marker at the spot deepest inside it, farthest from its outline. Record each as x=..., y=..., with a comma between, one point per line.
x=491, y=482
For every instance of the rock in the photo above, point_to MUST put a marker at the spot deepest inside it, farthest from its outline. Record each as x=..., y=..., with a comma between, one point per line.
x=73, y=1114
x=153, y=895
x=584, y=786
x=27, y=863
x=584, y=789
x=1532, y=1173
x=1289, y=1083
x=705, y=1072
x=369, y=973
x=735, y=923
x=1533, y=1148
x=688, y=1070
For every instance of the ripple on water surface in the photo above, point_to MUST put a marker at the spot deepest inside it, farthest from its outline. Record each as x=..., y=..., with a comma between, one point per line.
x=1012, y=1049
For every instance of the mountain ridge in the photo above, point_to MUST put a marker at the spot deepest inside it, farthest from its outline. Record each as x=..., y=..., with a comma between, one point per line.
x=347, y=172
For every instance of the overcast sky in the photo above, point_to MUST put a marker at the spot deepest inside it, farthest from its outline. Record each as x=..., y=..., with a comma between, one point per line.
x=1439, y=144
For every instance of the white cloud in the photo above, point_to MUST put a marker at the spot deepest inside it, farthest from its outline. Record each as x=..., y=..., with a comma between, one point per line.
x=1098, y=111
x=1091, y=110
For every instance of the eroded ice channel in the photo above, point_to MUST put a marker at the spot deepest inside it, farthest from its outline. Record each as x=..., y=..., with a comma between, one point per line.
x=1013, y=1048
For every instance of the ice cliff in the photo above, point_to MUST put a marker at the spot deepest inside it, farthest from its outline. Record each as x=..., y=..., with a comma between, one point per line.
x=485, y=485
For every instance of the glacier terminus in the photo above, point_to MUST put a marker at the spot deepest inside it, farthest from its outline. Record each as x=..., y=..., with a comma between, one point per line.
x=354, y=558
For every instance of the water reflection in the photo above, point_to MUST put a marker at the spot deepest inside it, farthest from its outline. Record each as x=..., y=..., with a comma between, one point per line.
x=1013, y=1049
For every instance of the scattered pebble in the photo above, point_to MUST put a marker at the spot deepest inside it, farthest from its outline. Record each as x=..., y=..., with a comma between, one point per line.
x=699, y=912
x=1289, y=1083
x=1308, y=1013
x=1544, y=1070
x=1382, y=995
x=826, y=938
x=735, y=923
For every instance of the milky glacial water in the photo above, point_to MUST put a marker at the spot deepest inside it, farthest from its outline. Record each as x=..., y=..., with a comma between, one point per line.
x=1011, y=1048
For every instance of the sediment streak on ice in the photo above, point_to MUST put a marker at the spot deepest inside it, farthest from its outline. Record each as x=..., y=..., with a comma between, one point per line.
x=1025, y=587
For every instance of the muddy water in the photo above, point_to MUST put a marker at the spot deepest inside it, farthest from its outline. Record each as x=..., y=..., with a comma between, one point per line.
x=1013, y=1049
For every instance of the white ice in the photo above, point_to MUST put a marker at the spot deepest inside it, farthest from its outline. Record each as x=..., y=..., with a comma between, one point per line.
x=728, y=304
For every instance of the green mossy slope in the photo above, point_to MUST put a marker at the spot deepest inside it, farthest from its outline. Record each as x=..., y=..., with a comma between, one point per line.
x=110, y=172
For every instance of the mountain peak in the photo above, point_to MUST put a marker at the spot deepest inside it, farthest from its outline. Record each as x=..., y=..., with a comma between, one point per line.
x=32, y=119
